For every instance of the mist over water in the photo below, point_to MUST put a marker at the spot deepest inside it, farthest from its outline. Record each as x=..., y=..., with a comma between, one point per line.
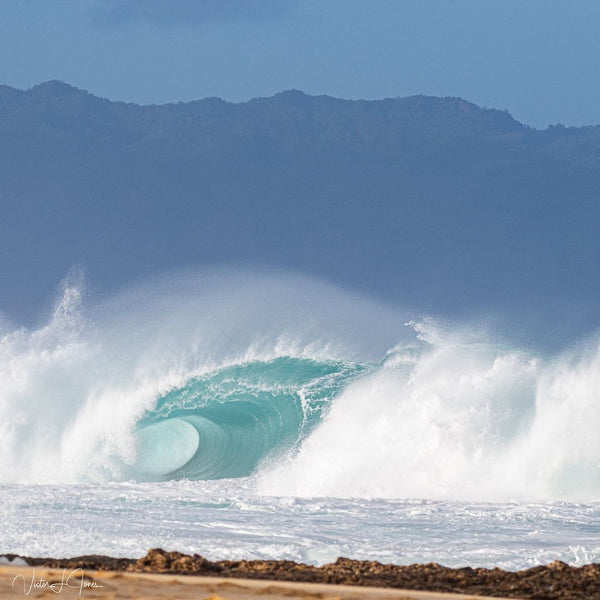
x=307, y=389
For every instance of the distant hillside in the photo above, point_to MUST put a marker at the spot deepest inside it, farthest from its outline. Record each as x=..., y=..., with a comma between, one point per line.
x=434, y=203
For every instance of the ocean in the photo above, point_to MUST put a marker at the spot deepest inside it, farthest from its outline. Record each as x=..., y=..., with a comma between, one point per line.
x=246, y=414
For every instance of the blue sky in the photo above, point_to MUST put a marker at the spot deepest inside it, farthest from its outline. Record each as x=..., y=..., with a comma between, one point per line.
x=539, y=59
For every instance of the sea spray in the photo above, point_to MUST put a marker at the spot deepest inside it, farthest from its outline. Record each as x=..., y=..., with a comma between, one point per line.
x=457, y=418
x=77, y=395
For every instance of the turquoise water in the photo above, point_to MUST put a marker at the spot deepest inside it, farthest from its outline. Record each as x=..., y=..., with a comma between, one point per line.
x=225, y=423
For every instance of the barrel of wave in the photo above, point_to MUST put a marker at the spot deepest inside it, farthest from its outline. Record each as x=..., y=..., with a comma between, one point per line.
x=227, y=422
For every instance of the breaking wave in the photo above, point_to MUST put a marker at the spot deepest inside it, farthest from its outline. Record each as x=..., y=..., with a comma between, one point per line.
x=224, y=423
x=307, y=389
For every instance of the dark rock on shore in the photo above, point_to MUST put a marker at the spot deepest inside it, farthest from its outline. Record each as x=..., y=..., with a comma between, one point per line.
x=159, y=561
x=555, y=581
x=96, y=562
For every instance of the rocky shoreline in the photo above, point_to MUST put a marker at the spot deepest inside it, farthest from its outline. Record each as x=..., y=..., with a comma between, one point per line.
x=555, y=581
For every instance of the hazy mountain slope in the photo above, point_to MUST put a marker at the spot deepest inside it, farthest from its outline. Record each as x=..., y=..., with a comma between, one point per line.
x=431, y=202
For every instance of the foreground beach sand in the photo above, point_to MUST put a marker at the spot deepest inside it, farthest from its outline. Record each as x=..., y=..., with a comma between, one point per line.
x=21, y=582
x=170, y=574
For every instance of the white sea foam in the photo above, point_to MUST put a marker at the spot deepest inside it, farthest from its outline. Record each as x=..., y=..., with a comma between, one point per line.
x=226, y=520
x=454, y=418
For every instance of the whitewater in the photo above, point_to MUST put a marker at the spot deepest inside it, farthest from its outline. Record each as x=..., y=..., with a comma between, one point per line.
x=248, y=414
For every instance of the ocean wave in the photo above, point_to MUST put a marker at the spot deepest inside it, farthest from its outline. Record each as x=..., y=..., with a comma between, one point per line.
x=309, y=390
x=225, y=423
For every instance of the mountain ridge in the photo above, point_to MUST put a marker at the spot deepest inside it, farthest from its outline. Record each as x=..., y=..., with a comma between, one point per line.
x=433, y=203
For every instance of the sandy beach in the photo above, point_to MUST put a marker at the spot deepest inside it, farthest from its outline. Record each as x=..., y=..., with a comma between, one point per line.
x=19, y=582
